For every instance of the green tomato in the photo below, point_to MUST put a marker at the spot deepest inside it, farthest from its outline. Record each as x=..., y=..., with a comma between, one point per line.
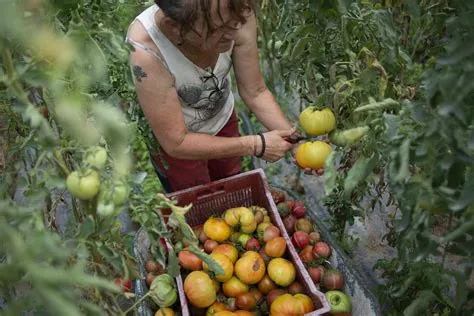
x=348, y=136
x=339, y=301
x=120, y=193
x=105, y=210
x=85, y=186
x=97, y=157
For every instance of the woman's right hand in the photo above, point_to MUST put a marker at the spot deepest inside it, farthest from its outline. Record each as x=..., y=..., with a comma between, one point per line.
x=275, y=144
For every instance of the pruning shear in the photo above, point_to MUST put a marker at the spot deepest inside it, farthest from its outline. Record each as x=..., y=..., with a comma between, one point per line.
x=293, y=139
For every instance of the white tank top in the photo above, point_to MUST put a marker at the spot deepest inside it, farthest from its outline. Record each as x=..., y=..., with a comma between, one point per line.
x=205, y=95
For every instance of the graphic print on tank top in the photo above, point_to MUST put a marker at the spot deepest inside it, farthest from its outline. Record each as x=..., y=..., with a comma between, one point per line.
x=206, y=99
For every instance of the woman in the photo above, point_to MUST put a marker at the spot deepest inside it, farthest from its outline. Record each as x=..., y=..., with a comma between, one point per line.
x=184, y=51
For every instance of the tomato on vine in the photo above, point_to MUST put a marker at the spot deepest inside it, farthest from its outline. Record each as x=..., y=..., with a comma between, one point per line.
x=312, y=155
x=317, y=122
x=85, y=185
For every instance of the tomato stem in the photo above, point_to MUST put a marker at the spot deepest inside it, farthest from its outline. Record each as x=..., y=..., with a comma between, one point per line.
x=136, y=303
x=59, y=159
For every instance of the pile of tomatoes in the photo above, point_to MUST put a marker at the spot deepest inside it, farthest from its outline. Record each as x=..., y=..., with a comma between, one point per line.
x=313, y=252
x=258, y=279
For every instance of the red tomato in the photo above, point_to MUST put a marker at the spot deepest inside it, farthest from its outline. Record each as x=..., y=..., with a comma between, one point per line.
x=125, y=285
x=189, y=261
x=246, y=301
x=266, y=285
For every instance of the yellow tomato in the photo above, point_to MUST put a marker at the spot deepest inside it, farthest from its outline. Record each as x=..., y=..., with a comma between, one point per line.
x=317, y=122
x=250, y=228
x=312, y=154
x=234, y=287
x=165, y=312
x=239, y=216
x=281, y=271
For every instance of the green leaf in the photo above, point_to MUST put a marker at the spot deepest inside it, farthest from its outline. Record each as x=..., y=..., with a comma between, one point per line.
x=330, y=174
x=404, y=287
x=382, y=105
x=213, y=265
x=73, y=276
x=86, y=228
x=58, y=303
x=421, y=304
x=358, y=173
x=404, y=154
x=465, y=228
x=466, y=198
x=173, y=265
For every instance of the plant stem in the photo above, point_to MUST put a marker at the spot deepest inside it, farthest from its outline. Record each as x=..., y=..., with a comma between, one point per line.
x=136, y=303
x=59, y=159
x=450, y=220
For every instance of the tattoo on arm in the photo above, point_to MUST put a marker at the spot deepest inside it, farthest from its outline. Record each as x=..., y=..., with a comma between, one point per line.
x=139, y=73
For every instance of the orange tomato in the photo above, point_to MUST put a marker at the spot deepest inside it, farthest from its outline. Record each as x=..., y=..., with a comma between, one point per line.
x=224, y=313
x=289, y=305
x=226, y=265
x=216, y=229
x=199, y=289
x=250, y=268
x=275, y=247
x=303, y=303
x=244, y=313
x=230, y=251
x=216, y=307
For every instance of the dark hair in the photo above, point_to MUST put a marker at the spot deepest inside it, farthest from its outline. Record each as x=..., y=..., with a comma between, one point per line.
x=187, y=12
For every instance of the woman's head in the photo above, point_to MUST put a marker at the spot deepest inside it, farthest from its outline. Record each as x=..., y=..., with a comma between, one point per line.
x=206, y=22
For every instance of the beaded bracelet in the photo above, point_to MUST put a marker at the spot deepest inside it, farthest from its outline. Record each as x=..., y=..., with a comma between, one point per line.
x=263, y=145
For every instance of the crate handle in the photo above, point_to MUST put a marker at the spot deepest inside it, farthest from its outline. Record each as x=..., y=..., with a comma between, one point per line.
x=210, y=191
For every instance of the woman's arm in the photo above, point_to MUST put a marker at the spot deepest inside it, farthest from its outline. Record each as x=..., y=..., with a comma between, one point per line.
x=159, y=101
x=252, y=87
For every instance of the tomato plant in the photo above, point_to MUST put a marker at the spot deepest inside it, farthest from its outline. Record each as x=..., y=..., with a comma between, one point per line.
x=384, y=70
x=63, y=140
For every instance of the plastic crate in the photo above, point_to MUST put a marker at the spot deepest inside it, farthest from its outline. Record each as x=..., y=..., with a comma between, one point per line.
x=246, y=189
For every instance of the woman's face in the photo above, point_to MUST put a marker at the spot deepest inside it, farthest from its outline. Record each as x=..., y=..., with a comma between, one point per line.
x=221, y=32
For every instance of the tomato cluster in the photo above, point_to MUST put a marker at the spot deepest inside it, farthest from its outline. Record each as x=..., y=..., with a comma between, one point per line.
x=87, y=183
x=314, y=252
x=258, y=278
